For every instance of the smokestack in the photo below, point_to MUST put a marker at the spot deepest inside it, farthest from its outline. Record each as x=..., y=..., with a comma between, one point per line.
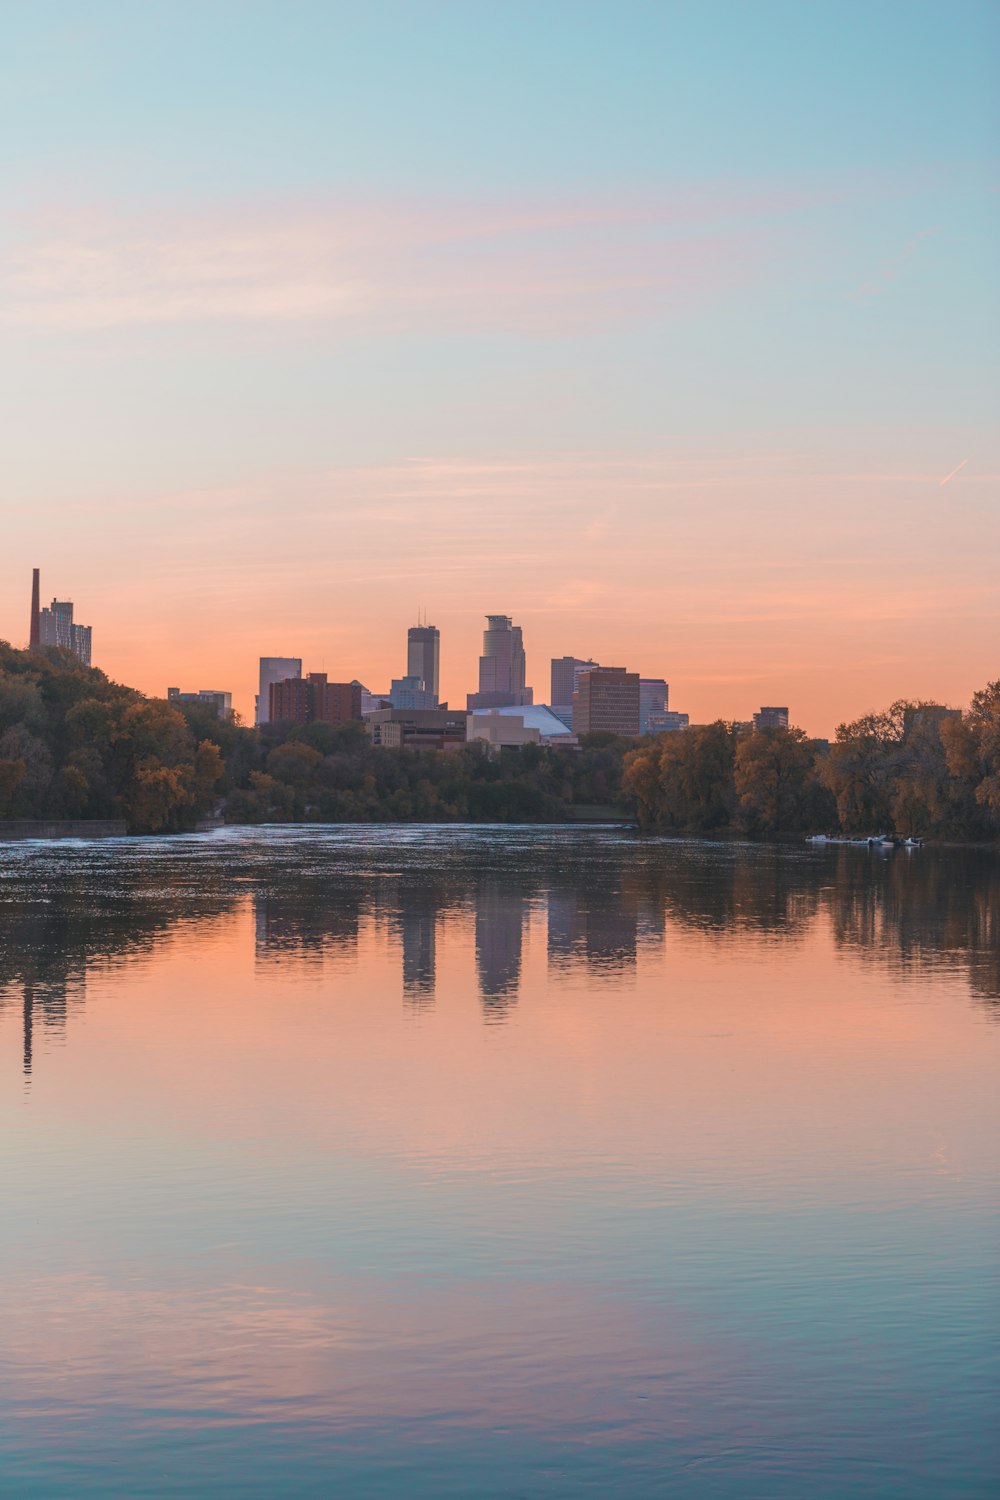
x=35, y=639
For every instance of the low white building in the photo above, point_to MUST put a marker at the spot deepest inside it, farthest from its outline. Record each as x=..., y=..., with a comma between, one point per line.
x=500, y=729
x=526, y=724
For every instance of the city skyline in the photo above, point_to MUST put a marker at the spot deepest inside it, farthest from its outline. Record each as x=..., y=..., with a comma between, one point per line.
x=504, y=652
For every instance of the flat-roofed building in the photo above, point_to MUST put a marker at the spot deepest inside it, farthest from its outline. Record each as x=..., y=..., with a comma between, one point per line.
x=771, y=718
x=667, y=722
x=654, y=697
x=274, y=669
x=313, y=700
x=551, y=729
x=56, y=628
x=221, y=704
x=500, y=730
x=417, y=728
x=606, y=701
x=410, y=692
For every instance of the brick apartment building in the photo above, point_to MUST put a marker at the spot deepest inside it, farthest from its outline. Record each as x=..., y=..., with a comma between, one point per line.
x=313, y=700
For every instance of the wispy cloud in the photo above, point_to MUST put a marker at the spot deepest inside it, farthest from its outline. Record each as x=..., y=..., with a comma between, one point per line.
x=481, y=263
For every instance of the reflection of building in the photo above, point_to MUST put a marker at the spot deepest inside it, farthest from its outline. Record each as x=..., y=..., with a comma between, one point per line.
x=654, y=695
x=221, y=704
x=418, y=910
x=502, y=667
x=500, y=916
x=274, y=669
x=47, y=1001
x=313, y=700
x=606, y=701
x=771, y=718
x=423, y=661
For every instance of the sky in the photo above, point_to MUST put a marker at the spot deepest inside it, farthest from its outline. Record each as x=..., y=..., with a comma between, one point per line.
x=658, y=326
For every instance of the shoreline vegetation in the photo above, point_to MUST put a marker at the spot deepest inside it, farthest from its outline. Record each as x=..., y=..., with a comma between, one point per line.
x=76, y=746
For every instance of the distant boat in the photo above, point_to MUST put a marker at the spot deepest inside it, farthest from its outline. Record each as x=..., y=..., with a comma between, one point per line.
x=870, y=841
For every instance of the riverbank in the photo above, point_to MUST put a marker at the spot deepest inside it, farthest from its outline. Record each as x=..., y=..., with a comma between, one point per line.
x=20, y=829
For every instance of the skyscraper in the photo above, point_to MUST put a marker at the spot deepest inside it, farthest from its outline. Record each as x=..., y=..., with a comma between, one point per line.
x=423, y=658
x=501, y=667
x=274, y=669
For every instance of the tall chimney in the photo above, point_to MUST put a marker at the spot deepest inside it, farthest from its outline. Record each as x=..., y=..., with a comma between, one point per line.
x=35, y=639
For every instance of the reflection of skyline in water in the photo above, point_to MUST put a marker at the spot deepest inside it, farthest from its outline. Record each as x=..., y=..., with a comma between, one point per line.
x=606, y=901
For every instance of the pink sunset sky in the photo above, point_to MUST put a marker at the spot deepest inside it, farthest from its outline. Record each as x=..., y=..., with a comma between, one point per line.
x=698, y=380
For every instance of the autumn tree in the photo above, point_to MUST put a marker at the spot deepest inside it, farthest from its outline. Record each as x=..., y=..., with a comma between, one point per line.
x=776, y=783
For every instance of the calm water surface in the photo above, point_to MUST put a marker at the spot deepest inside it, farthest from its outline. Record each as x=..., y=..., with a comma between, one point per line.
x=472, y=1162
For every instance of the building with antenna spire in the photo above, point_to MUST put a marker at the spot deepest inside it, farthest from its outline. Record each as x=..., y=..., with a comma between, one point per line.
x=423, y=662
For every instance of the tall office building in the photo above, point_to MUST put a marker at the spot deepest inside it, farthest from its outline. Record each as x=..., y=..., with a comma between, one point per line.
x=565, y=670
x=274, y=669
x=606, y=701
x=501, y=667
x=423, y=659
x=654, y=698
x=771, y=718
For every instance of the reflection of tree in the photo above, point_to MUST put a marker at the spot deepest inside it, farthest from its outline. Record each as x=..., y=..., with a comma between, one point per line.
x=935, y=907
x=932, y=908
x=300, y=923
x=64, y=916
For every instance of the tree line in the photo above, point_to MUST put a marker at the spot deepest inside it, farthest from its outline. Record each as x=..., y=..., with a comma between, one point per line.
x=73, y=744
x=913, y=769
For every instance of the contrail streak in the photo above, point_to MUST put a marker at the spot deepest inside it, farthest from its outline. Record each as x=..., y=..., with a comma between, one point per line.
x=954, y=471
